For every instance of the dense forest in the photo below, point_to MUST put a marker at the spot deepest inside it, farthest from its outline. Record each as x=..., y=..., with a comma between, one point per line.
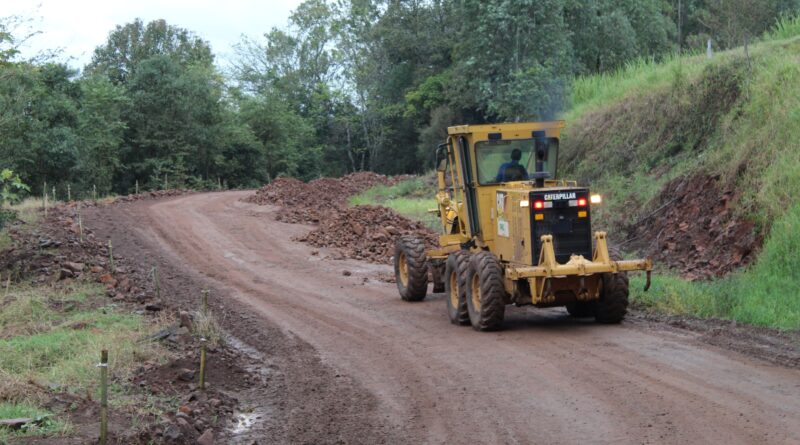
x=347, y=85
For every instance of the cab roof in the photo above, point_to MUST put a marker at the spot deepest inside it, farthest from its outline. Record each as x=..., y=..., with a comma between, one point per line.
x=509, y=130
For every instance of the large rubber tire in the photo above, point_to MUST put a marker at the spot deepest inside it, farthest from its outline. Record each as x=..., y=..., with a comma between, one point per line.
x=582, y=309
x=485, y=292
x=613, y=303
x=411, y=268
x=455, y=287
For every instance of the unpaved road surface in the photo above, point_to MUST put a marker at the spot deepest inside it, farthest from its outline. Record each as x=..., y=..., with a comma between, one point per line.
x=355, y=364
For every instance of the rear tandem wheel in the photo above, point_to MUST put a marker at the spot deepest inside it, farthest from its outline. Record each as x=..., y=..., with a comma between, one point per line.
x=455, y=282
x=485, y=292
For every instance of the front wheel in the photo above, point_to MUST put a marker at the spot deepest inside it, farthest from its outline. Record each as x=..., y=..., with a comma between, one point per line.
x=613, y=303
x=411, y=268
x=485, y=292
x=455, y=283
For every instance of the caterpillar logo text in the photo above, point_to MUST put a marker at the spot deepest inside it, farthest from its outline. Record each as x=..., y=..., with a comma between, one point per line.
x=559, y=196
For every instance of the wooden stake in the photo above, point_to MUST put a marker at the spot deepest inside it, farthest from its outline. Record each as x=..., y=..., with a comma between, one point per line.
x=137, y=186
x=111, y=257
x=69, y=193
x=203, y=363
x=94, y=193
x=8, y=285
x=157, y=282
x=80, y=223
x=103, y=396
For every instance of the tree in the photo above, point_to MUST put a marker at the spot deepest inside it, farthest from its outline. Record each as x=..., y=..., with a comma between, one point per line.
x=606, y=34
x=287, y=138
x=7, y=48
x=101, y=129
x=38, y=116
x=514, y=58
x=10, y=187
x=728, y=22
x=131, y=44
x=173, y=123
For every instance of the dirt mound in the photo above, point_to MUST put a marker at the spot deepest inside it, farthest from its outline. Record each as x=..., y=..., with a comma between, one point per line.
x=307, y=202
x=56, y=249
x=363, y=232
x=694, y=230
x=366, y=232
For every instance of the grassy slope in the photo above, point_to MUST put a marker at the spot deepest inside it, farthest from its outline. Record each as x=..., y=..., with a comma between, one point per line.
x=734, y=115
x=411, y=198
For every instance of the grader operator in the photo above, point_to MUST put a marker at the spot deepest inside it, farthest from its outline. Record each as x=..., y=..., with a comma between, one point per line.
x=513, y=233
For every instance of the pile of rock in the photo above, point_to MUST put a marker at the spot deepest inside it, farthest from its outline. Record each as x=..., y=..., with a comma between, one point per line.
x=365, y=232
x=695, y=231
x=303, y=202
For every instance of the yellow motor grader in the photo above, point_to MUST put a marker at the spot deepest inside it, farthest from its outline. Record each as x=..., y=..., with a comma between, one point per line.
x=513, y=233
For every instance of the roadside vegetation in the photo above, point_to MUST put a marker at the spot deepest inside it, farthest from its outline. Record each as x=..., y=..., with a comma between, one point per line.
x=765, y=294
x=50, y=341
x=51, y=335
x=412, y=198
x=735, y=115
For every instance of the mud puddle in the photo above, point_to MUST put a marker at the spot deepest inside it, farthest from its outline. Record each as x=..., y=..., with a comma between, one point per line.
x=253, y=412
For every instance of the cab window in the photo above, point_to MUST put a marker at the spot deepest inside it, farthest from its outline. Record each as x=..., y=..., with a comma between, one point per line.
x=513, y=160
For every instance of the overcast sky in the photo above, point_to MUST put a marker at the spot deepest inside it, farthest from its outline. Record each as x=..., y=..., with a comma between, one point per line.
x=78, y=26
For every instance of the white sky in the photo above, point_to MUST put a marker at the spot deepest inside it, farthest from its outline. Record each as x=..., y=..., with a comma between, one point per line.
x=78, y=26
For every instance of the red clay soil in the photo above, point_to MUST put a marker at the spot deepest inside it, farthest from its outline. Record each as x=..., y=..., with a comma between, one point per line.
x=695, y=231
x=365, y=232
x=307, y=202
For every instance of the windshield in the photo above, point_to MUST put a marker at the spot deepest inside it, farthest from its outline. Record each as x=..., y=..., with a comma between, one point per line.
x=513, y=160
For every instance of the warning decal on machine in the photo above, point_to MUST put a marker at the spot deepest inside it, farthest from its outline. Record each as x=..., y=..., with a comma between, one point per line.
x=502, y=222
x=502, y=228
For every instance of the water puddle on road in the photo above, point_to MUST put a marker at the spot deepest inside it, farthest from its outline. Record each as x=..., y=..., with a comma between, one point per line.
x=254, y=412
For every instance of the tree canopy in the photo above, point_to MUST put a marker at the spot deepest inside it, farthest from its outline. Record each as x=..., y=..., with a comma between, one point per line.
x=347, y=85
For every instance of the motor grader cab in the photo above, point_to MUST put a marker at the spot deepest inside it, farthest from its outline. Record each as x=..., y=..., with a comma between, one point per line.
x=513, y=233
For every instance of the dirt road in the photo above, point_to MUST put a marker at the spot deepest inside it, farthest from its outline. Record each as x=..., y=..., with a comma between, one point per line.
x=382, y=370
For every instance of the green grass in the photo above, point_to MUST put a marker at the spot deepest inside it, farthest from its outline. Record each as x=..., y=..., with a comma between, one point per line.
x=737, y=116
x=411, y=198
x=786, y=27
x=766, y=294
x=5, y=241
x=29, y=210
x=52, y=338
x=46, y=425
x=56, y=338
